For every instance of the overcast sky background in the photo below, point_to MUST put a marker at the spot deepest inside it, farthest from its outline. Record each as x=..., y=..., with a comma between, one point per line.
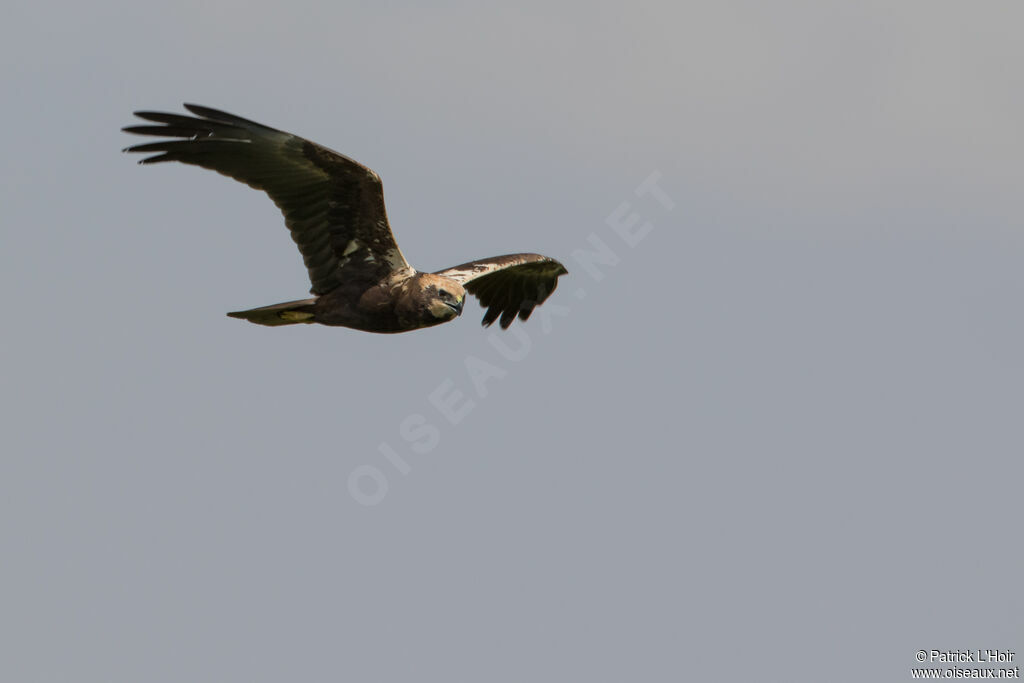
x=779, y=438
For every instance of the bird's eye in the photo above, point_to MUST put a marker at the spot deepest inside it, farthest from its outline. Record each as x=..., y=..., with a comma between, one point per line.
x=445, y=294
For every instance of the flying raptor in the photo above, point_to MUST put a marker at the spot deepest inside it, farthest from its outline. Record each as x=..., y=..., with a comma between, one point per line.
x=334, y=208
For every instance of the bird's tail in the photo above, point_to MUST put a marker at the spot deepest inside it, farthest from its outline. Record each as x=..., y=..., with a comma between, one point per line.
x=288, y=313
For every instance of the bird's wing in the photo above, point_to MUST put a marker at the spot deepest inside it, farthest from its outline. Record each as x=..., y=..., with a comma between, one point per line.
x=334, y=206
x=508, y=285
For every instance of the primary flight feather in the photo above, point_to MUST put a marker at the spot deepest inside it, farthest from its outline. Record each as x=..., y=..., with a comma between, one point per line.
x=334, y=208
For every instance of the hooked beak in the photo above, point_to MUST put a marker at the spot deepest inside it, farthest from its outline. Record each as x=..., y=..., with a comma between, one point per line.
x=457, y=306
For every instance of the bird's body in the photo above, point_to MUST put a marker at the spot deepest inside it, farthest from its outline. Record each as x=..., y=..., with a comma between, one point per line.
x=334, y=208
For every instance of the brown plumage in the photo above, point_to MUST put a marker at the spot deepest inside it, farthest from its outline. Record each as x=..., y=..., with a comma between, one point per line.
x=334, y=208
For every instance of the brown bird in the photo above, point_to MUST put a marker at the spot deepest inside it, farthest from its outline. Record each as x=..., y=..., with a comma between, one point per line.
x=334, y=208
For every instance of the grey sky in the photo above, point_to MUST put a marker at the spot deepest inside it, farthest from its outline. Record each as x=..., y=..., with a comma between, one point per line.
x=779, y=438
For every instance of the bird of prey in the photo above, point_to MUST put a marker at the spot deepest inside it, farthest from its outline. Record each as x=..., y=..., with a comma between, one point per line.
x=334, y=208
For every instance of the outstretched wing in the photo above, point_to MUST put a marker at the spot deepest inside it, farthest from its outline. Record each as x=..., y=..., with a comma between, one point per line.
x=508, y=285
x=334, y=206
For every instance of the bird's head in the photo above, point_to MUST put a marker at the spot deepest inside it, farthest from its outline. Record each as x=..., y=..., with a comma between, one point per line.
x=438, y=298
